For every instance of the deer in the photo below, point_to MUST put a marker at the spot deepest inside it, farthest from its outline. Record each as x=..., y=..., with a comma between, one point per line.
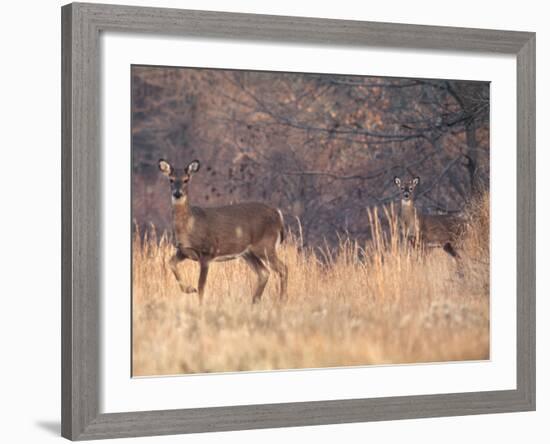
x=432, y=231
x=251, y=231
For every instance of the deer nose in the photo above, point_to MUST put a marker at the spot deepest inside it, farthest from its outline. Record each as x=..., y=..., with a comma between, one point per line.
x=406, y=195
x=177, y=194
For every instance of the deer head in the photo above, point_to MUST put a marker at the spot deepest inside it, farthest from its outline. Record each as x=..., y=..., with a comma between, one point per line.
x=406, y=188
x=179, y=178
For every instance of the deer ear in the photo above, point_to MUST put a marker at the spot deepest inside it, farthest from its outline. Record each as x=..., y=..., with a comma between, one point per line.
x=165, y=167
x=397, y=181
x=193, y=167
x=416, y=181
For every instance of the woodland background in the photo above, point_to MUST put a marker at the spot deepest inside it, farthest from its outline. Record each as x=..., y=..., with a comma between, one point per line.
x=323, y=148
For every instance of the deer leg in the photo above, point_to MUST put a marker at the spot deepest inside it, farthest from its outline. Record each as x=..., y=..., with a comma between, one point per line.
x=281, y=269
x=261, y=271
x=448, y=248
x=202, y=278
x=174, y=261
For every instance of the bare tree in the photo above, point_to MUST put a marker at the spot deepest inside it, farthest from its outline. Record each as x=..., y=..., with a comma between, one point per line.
x=321, y=147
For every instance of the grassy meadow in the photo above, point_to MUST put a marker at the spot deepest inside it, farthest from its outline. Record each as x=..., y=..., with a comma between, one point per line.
x=384, y=302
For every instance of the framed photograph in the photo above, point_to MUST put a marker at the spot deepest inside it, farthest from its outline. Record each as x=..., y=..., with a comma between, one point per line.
x=278, y=221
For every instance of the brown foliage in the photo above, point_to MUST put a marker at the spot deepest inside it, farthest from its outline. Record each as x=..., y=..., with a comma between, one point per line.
x=322, y=148
x=379, y=302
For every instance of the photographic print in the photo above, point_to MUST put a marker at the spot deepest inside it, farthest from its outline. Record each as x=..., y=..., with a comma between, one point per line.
x=300, y=220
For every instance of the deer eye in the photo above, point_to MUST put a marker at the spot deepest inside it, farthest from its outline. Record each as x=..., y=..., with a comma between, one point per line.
x=410, y=188
x=402, y=188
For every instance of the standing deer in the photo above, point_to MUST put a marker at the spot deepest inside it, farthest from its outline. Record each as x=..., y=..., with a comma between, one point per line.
x=251, y=231
x=430, y=230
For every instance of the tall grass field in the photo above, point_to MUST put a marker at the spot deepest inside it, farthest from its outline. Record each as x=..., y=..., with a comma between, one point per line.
x=384, y=302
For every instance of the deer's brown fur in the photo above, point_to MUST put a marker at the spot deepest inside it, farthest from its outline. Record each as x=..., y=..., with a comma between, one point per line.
x=250, y=231
x=430, y=230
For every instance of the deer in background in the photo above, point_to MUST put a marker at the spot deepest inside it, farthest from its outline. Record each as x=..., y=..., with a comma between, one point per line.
x=430, y=230
x=251, y=231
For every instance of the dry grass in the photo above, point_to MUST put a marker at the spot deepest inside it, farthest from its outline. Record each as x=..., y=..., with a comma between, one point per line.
x=376, y=304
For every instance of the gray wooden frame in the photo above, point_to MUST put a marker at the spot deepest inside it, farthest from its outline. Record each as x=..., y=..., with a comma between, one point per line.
x=81, y=231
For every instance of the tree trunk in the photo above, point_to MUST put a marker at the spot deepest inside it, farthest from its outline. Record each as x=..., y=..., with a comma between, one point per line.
x=472, y=156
